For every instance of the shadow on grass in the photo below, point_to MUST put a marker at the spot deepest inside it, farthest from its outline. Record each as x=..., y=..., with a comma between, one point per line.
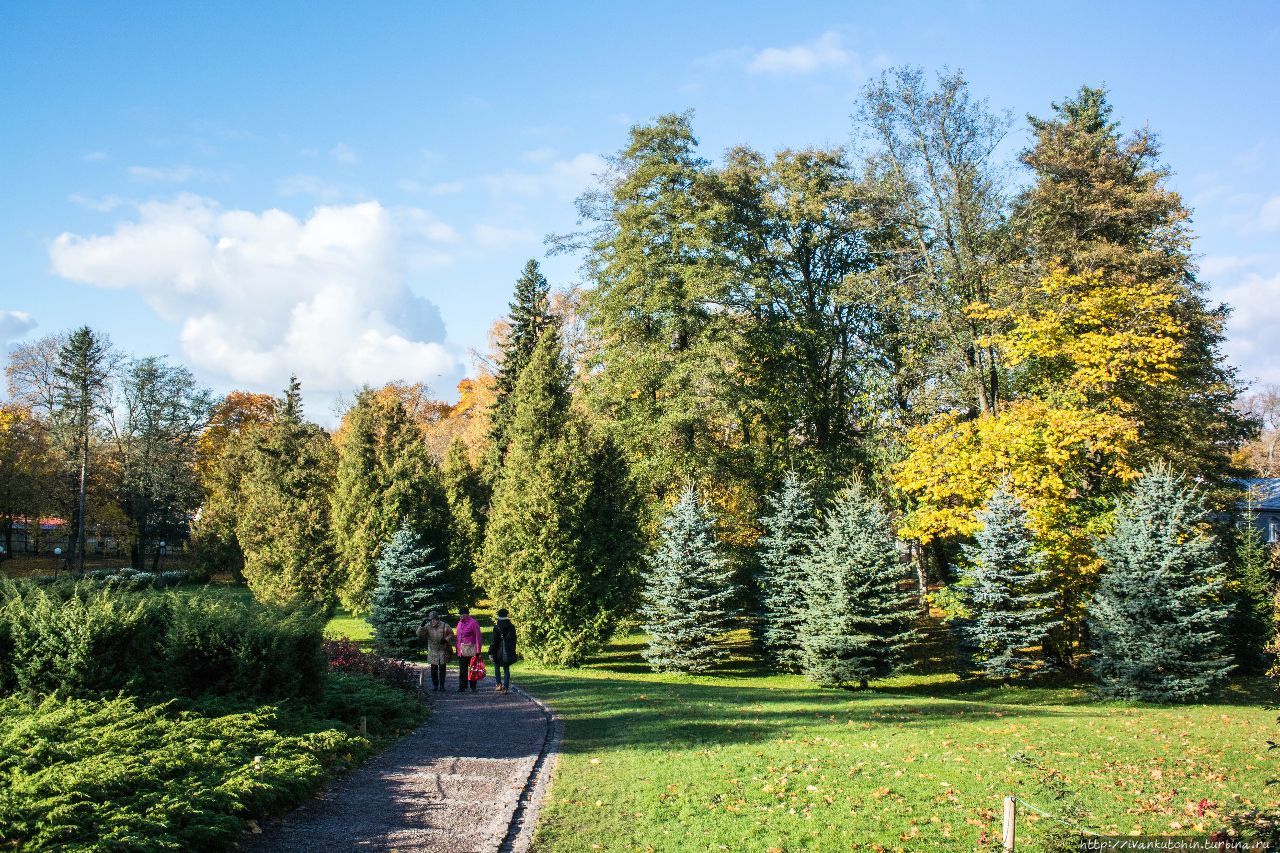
x=617, y=702
x=628, y=713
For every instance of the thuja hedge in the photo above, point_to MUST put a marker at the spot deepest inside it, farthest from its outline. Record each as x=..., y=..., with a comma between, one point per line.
x=81, y=641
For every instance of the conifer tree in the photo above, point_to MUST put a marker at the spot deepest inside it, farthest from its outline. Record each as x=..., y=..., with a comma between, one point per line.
x=410, y=585
x=547, y=558
x=529, y=317
x=789, y=532
x=464, y=493
x=657, y=373
x=1006, y=589
x=1255, y=593
x=613, y=541
x=285, y=527
x=386, y=477
x=82, y=377
x=857, y=616
x=1101, y=203
x=688, y=591
x=1158, y=615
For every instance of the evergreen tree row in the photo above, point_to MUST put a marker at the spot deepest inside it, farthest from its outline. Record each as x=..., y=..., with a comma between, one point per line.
x=832, y=593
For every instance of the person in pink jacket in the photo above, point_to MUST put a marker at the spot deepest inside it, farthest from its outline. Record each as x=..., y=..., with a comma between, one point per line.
x=468, y=639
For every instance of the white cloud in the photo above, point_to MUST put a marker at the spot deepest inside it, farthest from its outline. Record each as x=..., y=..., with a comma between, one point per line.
x=261, y=295
x=310, y=185
x=96, y=156
x=446, y=188
x=492, y=236
x=412, y=185
x=825, y=53
x=539, y=155
x=105, y=204
x=1251, y=286
x=419, y=223
x=166, y=174
x=14, y=325
x=563, y=179
x=1269, y=215
x=343, y=154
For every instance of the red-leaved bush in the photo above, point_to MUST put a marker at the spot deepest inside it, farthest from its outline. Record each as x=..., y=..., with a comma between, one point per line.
x=345, y=656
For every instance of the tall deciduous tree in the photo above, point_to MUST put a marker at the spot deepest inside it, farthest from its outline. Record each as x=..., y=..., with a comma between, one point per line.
x=858, y=616
x=782, y=551
x=1158, y=615
x=934, y=151
x=28, y=469
x=222, y=459
x=795, y=233
x=1261, y=454
x=688, y=591
x=548, y=555
x=155, y=427
x=386, y=479
x=1007, y=589
x=285, y=528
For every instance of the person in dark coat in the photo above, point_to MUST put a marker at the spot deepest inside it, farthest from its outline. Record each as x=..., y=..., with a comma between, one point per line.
x=503, y=650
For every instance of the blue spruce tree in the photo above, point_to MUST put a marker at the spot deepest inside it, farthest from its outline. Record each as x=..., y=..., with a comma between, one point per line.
x=687, y=591
x=789, y=531
x=857, y=617
x=1006, y=589
x=1158, y=613
x=410, y=585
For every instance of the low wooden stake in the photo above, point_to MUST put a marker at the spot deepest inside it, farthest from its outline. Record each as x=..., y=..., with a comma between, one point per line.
x=1010, y=818
x=364, y=725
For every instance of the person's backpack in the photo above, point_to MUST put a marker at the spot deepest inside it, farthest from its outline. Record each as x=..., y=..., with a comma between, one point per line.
x=476, y=670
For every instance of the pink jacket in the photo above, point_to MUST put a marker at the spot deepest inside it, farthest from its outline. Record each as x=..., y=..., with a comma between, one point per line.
x=468, y=632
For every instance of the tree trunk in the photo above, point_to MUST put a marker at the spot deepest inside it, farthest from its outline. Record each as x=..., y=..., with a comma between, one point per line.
x=922, y=575
x=84, y=475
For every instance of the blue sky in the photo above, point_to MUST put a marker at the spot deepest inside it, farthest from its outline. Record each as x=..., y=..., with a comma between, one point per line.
x=348, y=190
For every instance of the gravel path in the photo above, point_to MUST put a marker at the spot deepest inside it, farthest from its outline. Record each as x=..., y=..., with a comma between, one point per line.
x=469, y=780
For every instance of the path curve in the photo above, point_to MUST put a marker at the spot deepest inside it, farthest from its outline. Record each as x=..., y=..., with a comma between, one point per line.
x=471, y=779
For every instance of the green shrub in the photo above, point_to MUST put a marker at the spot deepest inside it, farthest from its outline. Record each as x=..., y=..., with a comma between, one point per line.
x=250, y=650
x=85, y=643
x=115, y=774
x=77, y=640
x=6, y=654
x=390, y=711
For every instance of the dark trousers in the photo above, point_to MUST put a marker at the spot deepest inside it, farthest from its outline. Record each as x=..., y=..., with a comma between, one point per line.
x=437, y=675
x=464, y=673
x=502, y=674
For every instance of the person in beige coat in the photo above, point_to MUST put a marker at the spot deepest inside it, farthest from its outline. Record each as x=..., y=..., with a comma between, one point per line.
x=439, y=639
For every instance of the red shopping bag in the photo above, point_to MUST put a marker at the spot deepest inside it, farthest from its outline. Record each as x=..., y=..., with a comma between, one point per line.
x=476, y=670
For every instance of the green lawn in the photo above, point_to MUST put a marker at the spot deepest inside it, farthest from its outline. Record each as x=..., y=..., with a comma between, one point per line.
x=356, y=628
x=748, y=761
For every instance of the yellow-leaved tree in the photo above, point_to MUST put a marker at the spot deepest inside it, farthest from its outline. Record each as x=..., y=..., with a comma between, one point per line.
x=1078, y=346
